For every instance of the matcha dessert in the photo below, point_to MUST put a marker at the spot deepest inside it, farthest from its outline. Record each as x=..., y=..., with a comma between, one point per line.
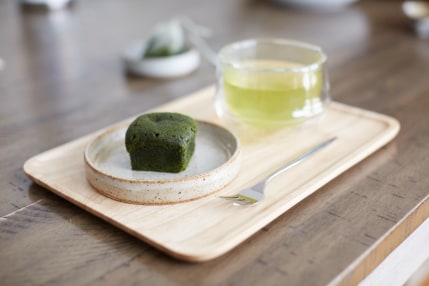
x=162, y=142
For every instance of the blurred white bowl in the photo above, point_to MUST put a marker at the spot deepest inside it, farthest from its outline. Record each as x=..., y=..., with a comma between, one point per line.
x=160, y=67
x=316, y=4
x=416, y=9
x=418, y=14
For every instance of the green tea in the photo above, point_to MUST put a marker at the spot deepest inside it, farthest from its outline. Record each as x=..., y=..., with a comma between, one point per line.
x=261, y=96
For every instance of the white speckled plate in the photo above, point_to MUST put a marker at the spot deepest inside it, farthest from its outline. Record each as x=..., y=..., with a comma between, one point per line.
x=214, y=164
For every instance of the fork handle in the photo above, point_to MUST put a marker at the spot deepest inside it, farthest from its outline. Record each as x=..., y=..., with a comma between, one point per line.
x=300, y=158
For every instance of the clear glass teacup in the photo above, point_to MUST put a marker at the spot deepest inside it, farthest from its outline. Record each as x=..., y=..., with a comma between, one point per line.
x=271, y=82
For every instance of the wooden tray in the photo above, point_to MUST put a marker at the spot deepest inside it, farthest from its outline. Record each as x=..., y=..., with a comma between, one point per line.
x=207, y=228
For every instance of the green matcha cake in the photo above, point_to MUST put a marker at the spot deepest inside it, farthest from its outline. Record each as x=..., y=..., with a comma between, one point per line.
x=162, y=142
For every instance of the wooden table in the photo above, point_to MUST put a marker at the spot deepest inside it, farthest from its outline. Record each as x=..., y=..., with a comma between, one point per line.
x=63, y=79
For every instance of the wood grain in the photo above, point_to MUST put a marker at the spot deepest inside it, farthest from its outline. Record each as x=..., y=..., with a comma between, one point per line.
x=63, y=79
x=201, y=230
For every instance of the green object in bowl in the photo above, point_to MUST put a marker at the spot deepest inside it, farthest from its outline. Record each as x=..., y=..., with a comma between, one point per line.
x=167, y=39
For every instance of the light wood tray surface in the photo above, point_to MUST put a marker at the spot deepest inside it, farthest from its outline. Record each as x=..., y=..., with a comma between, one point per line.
x=209, y=227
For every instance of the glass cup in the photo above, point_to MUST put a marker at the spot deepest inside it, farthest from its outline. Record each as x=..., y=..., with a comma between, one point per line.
x=271, y=82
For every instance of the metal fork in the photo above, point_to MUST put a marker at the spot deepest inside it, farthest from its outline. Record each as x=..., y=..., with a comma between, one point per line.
x=255, y=194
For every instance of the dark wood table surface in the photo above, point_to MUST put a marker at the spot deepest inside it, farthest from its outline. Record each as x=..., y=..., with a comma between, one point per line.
x=63, y=78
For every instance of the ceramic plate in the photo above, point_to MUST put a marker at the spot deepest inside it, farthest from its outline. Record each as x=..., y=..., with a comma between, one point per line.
x=214, y=164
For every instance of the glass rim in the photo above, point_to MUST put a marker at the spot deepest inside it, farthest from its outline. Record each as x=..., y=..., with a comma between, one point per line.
x=276, y=41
